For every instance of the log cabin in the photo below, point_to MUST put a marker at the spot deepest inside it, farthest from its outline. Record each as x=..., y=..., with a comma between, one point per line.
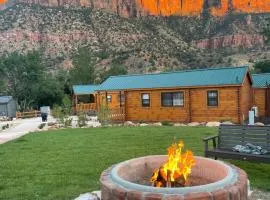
x=261, y=94
x=201, y=95
x=215, y=94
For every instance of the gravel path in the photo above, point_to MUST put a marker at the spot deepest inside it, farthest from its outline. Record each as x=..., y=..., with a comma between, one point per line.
x=21, y=127
x=259, y=195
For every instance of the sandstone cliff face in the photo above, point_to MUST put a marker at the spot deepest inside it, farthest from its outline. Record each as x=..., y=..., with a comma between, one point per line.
x=232, y=41
x=130, y=8
x=144, y=44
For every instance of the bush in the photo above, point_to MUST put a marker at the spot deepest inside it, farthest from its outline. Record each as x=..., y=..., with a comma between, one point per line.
x=5, y=127
x=82, y=119
x=61, y=113
x=103, y=114
x=41, y=126
x=166, y=123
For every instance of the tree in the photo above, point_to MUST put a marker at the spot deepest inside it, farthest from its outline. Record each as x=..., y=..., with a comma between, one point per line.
x=50, y=92
x=83, y=70
x=113, y=71
x=25, y=79
x=266, y=33
x=21, y=74
x=262, y=66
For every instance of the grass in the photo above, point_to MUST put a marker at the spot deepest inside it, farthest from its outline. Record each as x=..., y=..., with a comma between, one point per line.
x=62, y=164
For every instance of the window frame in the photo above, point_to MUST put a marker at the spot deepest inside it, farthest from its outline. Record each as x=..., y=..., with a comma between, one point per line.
x=142, y=105
x=109, y=100
x=207, y=98
x=171, y=93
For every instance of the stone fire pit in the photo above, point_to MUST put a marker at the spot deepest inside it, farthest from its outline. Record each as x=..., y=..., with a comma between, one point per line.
x=209, y=180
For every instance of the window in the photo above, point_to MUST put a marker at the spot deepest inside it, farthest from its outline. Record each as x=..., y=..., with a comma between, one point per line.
x=145, y=100
x=212, y=98
x=109, y=98
x=172, y=99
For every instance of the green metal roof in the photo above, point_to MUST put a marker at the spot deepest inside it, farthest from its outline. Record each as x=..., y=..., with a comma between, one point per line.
x=84, y=89
x=191, y=78
x=261, y=80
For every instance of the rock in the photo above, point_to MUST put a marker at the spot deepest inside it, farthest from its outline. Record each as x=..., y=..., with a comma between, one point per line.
x=51, y=123
x=245, y=40
x=129, y=123
x=259, y=124
x=98, y=193
x=88, y=196
x=213, y=124
x=93, y=118
x=227, y=123
x=93, y=124
x=179, y=124
x=132, y=8
x=143, y=124
x=194, y=124
x=157, y=124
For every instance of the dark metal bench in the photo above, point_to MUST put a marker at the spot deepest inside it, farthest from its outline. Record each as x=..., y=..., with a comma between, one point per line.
x=232, y=135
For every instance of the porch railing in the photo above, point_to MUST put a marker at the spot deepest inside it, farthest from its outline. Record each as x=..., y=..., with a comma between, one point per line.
x=84, y=107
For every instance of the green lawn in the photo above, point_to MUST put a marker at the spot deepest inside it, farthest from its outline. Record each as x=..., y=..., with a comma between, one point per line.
x=62, y=164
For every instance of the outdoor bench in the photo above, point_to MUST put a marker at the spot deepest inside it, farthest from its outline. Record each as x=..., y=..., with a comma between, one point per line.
x=231, y=135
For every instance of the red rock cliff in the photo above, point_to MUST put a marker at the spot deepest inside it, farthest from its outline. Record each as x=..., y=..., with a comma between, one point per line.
x=237, y=40
x=128, y=8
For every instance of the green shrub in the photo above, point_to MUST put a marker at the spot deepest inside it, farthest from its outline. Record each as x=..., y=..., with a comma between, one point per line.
x=68, y=122
x=5, y=127
x=103, y=114
x=41, y=126
x=82, y=119
x=166, y=123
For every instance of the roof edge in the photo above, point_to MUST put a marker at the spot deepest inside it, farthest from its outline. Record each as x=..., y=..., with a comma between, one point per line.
x=176, y=87
x=260, y=74
x=182, y=71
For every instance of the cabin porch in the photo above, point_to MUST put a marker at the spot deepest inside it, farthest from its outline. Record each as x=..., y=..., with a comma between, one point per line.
x=84, y=98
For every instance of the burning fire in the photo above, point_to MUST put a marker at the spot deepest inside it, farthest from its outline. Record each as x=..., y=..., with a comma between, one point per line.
x=176, y=170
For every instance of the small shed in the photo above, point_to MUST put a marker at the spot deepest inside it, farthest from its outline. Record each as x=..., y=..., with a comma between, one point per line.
x=7, y=107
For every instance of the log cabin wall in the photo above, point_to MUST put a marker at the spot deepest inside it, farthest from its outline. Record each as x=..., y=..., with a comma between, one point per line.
x=196, y=111
x=155, y=112
x=260, y=100
x=227, y=109
x=246, y=96
x=115, y=101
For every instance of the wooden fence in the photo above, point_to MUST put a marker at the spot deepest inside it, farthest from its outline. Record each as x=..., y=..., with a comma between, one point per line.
x=30, y=114
x=117, y=114
x=84, y=107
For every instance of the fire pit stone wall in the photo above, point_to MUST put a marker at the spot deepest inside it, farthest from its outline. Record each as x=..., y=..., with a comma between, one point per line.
x=232, y=187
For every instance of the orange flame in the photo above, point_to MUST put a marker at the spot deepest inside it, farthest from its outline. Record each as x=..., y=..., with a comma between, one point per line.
x=2, y=1
x=176, y=169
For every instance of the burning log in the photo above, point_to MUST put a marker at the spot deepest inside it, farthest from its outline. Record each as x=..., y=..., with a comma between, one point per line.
x=175, y=171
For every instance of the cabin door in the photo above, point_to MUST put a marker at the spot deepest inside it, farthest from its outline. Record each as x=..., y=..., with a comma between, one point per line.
x=267, y=102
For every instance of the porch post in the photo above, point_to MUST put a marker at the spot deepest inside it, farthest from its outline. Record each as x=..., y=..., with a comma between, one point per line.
x=106, y=94
x=125, y=104
x=76, y=103
x=120, y=99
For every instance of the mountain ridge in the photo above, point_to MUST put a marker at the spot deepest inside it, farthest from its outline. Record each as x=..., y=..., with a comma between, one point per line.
x=145, y=44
